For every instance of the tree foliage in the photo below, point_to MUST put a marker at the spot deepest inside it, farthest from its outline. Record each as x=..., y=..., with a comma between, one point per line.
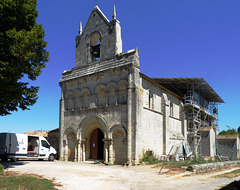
x=22, y=54
x=229, y=132
x=238, y=129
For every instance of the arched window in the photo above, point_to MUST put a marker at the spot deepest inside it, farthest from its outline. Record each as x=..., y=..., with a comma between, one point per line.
x=122, y=94
x=112, y=97
x=171, y=109
x=150, y=100
x=85, y=99
x=95, y=46
x=101, y=97
x=69, y=105
x=77, y=99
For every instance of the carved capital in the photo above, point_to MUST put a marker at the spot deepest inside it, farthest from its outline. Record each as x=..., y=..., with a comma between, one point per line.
x=108, y=141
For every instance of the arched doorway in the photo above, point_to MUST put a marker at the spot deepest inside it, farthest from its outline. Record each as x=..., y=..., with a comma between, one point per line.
x=96, y=144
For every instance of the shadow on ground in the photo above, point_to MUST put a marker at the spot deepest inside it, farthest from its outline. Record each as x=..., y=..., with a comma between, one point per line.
x=235, y=185
x=7, y=165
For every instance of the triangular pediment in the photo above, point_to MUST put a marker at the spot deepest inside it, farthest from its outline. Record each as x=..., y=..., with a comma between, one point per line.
x=97, y=11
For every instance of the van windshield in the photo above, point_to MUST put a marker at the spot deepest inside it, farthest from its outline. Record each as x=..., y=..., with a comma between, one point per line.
x=45, y=144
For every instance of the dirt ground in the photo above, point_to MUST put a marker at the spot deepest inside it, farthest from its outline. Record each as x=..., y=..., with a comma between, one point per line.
x=87, y=176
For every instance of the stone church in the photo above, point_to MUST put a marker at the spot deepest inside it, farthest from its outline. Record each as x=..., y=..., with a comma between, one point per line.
x=111, y=111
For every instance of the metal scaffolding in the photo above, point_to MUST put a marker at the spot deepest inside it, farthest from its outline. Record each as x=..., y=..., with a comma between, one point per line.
x=200, y=106
x=199, y=114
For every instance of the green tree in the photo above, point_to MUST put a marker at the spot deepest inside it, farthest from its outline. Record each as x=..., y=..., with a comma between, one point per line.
x=22, y=54
x=238, y=129
x=229, y=132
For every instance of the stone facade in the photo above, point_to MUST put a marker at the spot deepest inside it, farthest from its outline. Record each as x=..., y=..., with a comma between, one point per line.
x=228, y=146
x=53, y=139
x=109, y=110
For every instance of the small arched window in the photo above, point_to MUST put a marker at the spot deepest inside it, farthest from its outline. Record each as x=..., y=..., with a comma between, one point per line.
x=77, y=99
x=85, y=100
x=150, y=100
x=69, y=105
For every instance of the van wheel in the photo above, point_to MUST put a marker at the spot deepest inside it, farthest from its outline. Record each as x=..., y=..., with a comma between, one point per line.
x=14, y=159
x=4, y=159
x=51, y=157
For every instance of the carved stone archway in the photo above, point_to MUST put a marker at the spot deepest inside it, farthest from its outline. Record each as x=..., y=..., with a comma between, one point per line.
x=85, y=130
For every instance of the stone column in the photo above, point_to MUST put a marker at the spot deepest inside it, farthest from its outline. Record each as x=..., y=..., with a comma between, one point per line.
x=76, y=154
x=61, y=127
x=89, y=57
x=125, y=142
x=79, y=151
x=106, y=152
x=83, y=150
x=111, y=151
x=107, y=143
x=66, y=150
x=129, y=118
x=107, y=98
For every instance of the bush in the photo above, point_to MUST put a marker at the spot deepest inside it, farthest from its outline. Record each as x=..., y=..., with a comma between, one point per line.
x=197, y=160
x=149, y=157
x=1, y=169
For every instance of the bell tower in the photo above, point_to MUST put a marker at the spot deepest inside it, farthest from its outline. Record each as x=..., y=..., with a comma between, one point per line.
x=100, y=39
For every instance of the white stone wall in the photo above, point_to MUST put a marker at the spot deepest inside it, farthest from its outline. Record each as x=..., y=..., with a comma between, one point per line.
x=150, y=135
x=162, y=124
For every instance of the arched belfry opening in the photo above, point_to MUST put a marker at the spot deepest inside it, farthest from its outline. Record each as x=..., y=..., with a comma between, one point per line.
x=96, y=144
x=95, y=46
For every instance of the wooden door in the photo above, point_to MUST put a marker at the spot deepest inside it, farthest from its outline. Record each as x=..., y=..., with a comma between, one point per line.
x=96, y=144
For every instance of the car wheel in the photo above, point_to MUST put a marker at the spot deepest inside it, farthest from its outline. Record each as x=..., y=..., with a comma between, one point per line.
x=51, y=157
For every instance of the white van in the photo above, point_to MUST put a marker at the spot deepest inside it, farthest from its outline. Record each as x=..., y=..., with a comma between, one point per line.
x=14, y=146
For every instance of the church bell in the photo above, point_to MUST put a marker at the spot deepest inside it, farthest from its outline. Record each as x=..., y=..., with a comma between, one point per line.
x=95, y=50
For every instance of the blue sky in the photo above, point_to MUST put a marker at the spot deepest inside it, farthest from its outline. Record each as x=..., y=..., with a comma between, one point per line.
x=176, y=38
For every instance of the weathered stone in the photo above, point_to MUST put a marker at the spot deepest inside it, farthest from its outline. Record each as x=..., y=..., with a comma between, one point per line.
x=212, y=166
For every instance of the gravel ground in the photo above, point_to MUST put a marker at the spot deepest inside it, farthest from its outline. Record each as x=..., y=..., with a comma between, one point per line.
x=87, y=176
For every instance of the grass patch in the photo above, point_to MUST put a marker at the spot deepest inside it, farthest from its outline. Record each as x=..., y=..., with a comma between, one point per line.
x=232, y=174
x=174, y=164
x=25, y=182
x=1, y=169
x=179, y=164
x=148, y=157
